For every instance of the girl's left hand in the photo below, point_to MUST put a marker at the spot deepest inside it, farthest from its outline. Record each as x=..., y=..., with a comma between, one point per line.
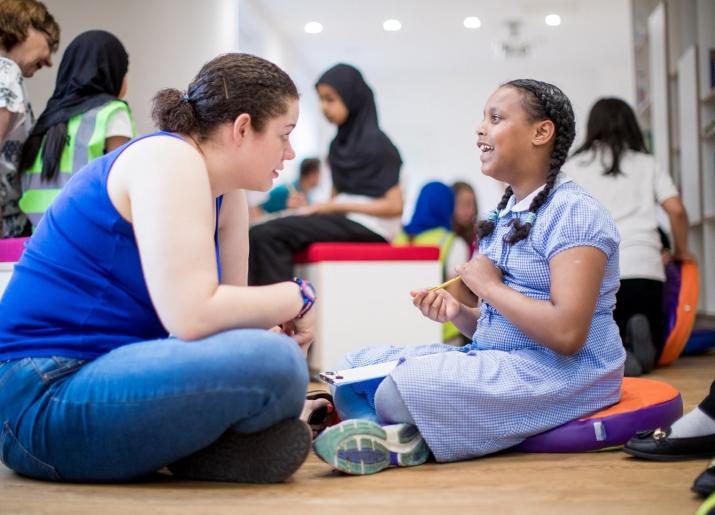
x=480, y=275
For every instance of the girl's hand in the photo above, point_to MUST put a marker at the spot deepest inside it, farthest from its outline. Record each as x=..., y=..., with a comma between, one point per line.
x=438, y=305
x=684, y=256
x=480, y=275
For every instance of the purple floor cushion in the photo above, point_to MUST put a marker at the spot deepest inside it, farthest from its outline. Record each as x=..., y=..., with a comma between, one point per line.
x=645, y=404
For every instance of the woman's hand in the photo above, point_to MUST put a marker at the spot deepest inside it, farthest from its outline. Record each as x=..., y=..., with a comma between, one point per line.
x=480, y=275
x=302, y=330
x=296, y=200
x=438, y=305
x=685, y=256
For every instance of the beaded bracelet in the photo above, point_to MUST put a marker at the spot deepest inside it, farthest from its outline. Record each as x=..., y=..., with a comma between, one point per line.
x=307, y=291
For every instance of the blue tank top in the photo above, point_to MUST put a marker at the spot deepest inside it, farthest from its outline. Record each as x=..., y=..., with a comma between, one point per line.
x=78, y=290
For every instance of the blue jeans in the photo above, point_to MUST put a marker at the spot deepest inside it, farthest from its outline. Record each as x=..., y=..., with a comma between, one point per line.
x=145, y=405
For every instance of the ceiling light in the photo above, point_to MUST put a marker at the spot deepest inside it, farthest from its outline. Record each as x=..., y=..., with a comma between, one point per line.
x=392, y=25
x=472, y=22
x=313, y=27
x=553, y=20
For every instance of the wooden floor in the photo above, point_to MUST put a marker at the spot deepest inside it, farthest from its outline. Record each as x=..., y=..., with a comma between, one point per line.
x=607, y=482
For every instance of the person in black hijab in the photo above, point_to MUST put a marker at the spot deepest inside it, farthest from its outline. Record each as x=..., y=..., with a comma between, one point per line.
x=366, y=205
x=92, y=74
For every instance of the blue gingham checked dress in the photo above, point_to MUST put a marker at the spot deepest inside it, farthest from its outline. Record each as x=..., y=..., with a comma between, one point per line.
x=503, y=387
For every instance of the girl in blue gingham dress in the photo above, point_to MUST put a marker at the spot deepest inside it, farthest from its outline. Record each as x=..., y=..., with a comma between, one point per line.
x=545, y=348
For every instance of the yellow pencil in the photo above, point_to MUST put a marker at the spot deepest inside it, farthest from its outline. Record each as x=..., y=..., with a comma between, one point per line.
x=445, y=284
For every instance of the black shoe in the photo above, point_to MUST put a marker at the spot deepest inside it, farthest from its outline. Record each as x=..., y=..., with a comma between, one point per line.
x=705, y=483
x=269, y=456
x=657, y=445
x=632, y=367
x=640, y=341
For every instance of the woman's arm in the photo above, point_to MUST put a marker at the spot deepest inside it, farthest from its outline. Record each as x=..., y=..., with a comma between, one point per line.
x=233, y=238
x=388, y=206
x=161, y=186
x=561, y=323
x=678, y=217
x=5, y=120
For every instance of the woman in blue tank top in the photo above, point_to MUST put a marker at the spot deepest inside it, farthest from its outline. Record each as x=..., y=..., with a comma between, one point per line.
x=129, y=340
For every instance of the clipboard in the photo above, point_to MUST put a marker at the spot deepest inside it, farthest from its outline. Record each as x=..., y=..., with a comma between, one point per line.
x=353, y=376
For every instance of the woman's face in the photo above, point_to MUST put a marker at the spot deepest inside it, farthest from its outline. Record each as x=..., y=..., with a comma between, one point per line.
x=464, y=207
x=333, y=106
x=265, y=151
x=33, y=53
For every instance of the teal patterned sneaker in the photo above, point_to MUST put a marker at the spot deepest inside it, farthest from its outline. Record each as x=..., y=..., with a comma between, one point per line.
x=363, y=447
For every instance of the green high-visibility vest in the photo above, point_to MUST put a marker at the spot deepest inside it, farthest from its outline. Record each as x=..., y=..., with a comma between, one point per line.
x=438, y=237
x=86, y=135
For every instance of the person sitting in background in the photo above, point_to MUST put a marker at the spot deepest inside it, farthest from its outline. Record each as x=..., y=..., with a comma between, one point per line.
x=612, y=165
x=431, y=224
x=291, y=195
x=366, y=204
x=28, y=37
x=464, y=220
x=84, y=119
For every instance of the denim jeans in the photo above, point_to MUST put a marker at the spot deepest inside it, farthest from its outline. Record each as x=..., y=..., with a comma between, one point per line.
x=145, y=405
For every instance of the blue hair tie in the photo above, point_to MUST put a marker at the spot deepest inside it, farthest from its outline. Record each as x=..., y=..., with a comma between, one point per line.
x=530, y=218
x=493, y=216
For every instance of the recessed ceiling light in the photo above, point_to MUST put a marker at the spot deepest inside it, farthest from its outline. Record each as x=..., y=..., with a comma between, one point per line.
x=472, y=22
x=553, y=20
x=392, y=25
x=313, y=27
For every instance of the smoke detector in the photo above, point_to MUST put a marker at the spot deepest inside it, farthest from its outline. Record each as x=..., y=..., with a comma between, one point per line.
x=514, y=46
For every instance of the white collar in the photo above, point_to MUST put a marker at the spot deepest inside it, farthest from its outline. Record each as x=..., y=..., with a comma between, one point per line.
x=523, y=205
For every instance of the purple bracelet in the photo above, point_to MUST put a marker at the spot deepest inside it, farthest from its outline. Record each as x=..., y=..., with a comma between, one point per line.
x=307, y=291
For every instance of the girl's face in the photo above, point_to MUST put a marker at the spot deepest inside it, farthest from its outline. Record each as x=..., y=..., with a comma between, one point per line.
x=333, y=106
x=505, y=135
x=464, y=207
x=265, y=151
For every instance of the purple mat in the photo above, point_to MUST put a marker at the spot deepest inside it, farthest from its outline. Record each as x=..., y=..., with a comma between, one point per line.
x=596, y=433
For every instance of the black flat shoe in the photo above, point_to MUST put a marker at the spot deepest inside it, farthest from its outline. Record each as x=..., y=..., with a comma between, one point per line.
x=705, y=483
x=657, y=445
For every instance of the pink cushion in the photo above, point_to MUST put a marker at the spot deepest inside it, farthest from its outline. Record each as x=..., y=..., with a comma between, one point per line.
x=318, y=252
x=11, y=249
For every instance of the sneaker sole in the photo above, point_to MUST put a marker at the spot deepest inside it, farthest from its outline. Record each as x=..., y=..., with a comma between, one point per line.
x=361, y=447
x=269, y=456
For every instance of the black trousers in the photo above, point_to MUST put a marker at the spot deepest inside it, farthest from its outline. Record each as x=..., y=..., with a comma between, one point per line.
x=708, y=404
x=641, y=296
x=272, y=244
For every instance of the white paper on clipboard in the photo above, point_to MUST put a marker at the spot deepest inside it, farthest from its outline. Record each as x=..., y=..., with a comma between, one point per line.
x=358, y=374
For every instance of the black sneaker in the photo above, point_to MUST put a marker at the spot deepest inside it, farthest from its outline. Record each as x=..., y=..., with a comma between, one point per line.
x=632, y=368
x=269, y=456
x=640, y=341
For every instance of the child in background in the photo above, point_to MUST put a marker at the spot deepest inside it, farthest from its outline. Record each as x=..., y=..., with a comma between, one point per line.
x=612, y=165
x=545, y=348
x=366, y=203
x=431, y=225
x=464, y=221
x=291, y=195
x=84, y=119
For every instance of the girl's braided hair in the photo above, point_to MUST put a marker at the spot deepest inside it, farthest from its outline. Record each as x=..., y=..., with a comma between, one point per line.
x=541, y=101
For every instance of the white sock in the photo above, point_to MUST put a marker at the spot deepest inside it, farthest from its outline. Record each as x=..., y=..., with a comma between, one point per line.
x=695, y=423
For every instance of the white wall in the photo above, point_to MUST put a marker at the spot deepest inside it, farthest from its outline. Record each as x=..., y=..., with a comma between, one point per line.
x=167, y=41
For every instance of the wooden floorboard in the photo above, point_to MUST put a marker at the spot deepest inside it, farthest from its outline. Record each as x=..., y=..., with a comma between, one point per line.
x=606, y=482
